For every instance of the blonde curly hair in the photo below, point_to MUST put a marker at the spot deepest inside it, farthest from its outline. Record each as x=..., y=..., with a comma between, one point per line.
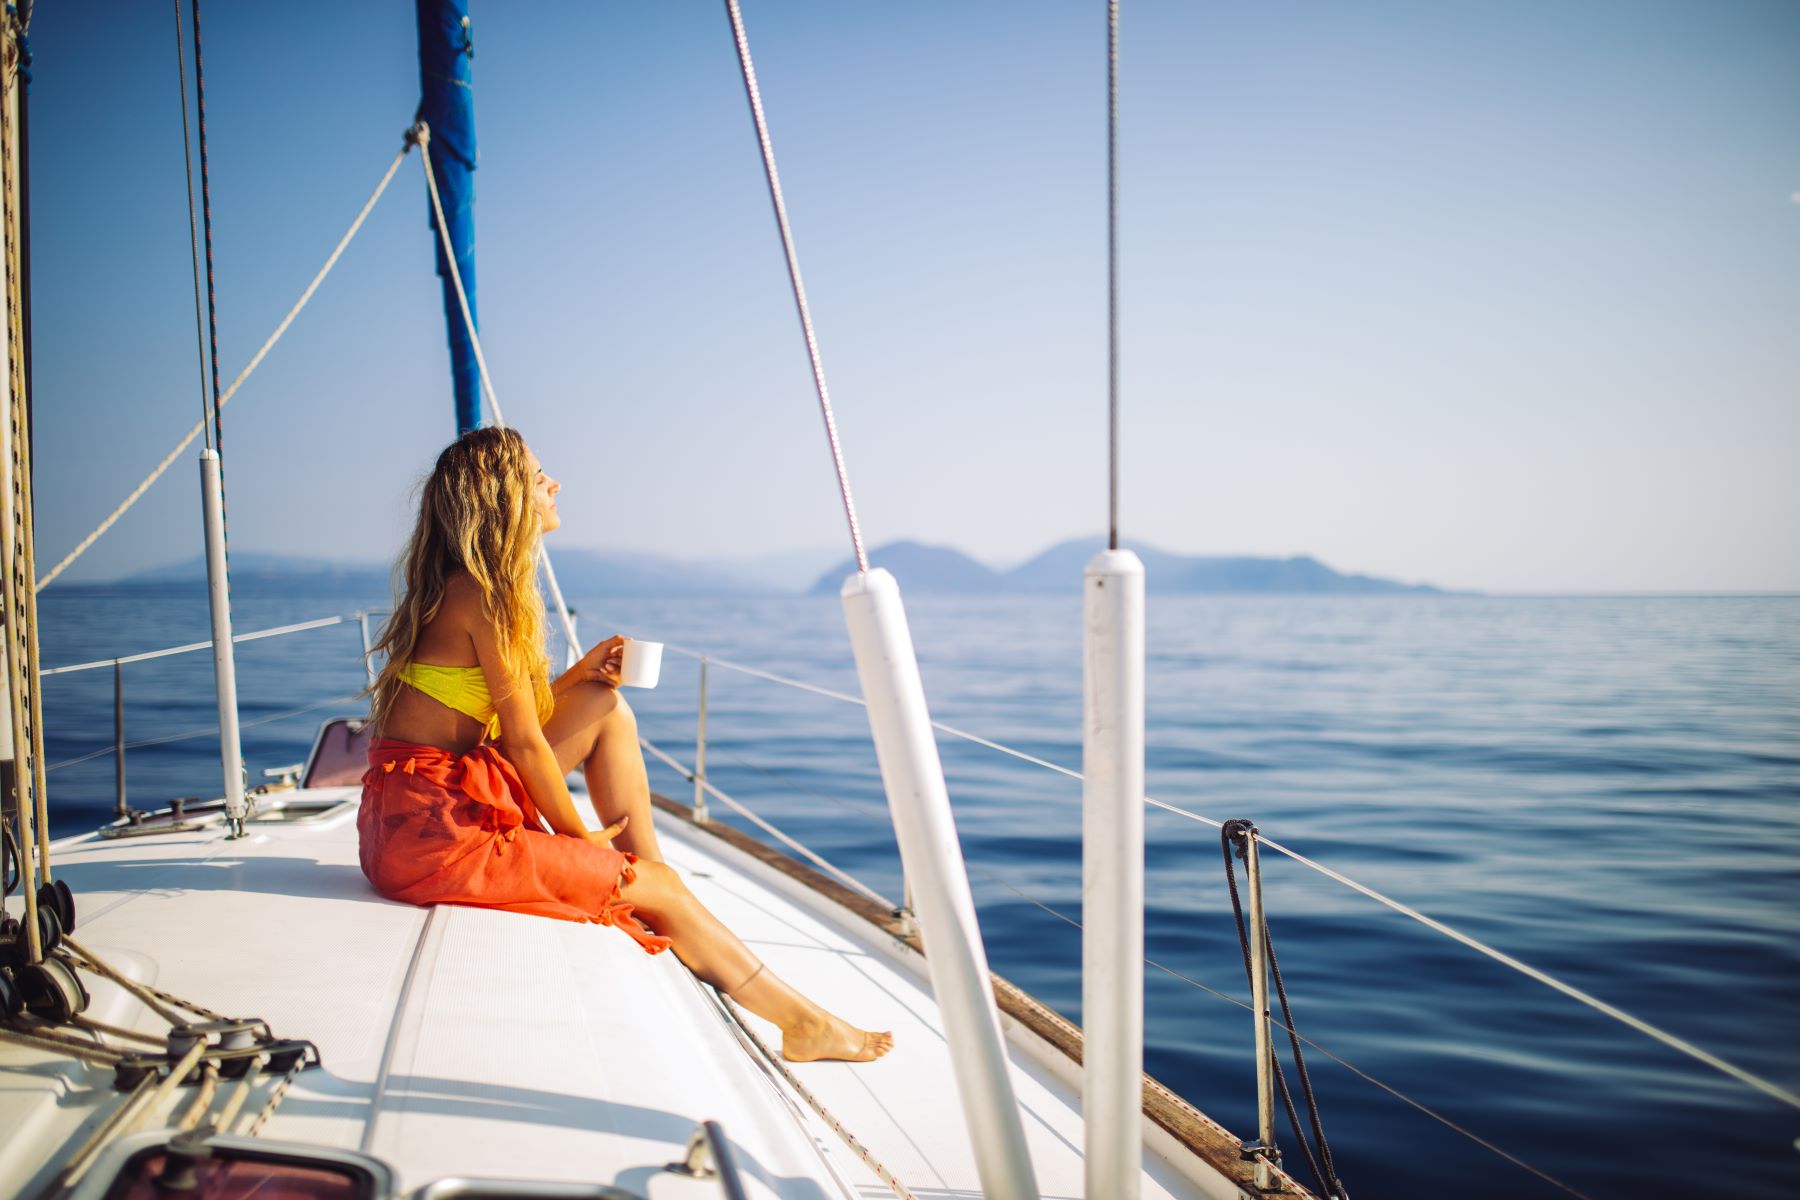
x=476, y=514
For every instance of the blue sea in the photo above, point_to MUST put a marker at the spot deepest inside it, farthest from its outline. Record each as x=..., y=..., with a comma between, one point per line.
x=1607, y=789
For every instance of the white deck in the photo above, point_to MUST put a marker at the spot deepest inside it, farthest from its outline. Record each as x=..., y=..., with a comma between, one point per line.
x=460, y=1041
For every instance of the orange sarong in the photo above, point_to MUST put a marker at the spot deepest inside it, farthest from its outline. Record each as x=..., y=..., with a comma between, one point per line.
x=439, y=829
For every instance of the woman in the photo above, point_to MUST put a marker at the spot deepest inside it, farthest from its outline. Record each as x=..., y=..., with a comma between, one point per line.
x=473, y=743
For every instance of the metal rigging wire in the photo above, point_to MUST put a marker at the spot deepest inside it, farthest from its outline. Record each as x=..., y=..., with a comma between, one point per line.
x=793, y=263
x=187, y=158
x=1112, y=274
x=212, y=313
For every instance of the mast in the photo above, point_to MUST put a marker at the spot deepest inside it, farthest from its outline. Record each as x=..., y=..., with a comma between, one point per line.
x=447, y=105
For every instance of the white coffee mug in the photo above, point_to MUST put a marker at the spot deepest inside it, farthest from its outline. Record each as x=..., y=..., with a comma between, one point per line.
x=641, y=665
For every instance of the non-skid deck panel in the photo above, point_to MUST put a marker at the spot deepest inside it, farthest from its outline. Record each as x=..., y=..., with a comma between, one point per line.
x=523, y=1047
x=279, y=925
x=550, y=1050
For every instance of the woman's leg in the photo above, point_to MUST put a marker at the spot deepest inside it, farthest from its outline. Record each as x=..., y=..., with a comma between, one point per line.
x=715, y=954
x=594, y=727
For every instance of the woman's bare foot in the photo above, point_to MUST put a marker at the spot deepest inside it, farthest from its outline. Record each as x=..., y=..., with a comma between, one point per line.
x=833, y=1038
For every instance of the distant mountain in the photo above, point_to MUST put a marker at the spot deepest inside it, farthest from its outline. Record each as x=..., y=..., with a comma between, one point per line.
x=1165, y=572
x=921, y=568
x=580, y=572
x=254, y=567
x=1054, y=568
x=943, y=570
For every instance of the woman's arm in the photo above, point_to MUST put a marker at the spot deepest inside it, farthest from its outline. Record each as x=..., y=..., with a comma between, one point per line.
x=522, y=738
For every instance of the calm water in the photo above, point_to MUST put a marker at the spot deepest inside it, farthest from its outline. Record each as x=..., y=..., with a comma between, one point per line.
x=1607, y=789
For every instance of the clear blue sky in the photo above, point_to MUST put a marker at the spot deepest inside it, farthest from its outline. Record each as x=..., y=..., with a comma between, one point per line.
x=1498, y=296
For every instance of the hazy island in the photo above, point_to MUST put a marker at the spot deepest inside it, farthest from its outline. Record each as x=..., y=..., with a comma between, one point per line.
x=922, y=570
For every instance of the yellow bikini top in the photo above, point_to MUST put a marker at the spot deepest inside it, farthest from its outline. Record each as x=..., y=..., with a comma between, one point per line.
x=462, y=688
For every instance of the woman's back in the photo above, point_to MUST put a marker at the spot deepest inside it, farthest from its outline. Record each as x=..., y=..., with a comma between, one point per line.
x=446, y=644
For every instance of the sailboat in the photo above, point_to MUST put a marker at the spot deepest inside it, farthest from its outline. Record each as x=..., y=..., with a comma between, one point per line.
x=209, y=1000
x=240, y=1007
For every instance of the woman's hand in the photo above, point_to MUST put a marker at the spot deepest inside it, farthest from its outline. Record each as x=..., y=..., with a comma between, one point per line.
x=602, y=664
x=604, y=837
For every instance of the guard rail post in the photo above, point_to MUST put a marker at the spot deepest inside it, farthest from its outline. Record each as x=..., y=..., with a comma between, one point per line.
x=362, y=623
x=120, y=808
x=700, y=752
x=1263, y=1150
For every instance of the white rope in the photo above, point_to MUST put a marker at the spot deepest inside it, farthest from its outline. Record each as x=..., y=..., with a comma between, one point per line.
x=189, y=647
x=422, y=134
x=255, y=362
x=209, y=1087
x=1192, y=816
x=164, y=1095
x=234, y=1103
x=822, y=863
x=145, y=995
x=102, y=1136
x=279, y=1093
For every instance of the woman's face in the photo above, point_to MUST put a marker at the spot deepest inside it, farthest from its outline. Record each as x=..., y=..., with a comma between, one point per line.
x=543, y=493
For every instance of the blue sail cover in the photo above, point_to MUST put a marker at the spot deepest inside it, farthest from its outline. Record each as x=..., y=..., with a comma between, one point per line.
x=447, y=104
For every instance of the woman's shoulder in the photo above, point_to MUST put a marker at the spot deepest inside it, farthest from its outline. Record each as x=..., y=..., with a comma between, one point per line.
x=463, y=599
x=448, y=634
